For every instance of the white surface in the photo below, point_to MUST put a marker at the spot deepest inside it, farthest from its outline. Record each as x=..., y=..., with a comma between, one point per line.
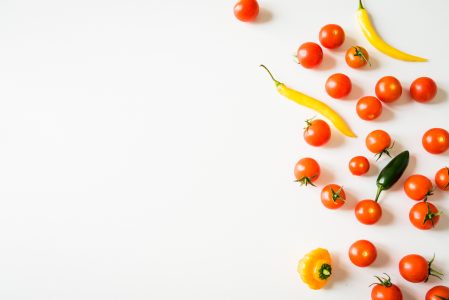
x=145, y=155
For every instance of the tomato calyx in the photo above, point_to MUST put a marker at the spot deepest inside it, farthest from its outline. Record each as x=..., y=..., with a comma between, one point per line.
x=308, y=123
x=306, y=180
x=325, y=271
x=360, y=54
x=336, y=195
x=433, y=272
x=383, y=281
x=441, y=297
x=385, y=151
x=429, y=217
x=429, y=193
x=447, y=185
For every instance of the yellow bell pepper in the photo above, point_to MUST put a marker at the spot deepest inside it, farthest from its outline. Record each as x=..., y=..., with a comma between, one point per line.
x=315, y=268
x=375, y=40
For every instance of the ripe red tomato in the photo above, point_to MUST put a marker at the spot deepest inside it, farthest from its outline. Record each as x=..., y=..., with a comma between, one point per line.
x=338, y=85
x=369, y=108
x=358, y=165
x=362, y=253
x=246, y=10
x=310, y=55
x=333, y=196
x=385, y=290
x=379, y=142
x=424, y=215
x=331, y=36
x=436, y=140
x=317, y=132
x=415, y=268
x=442, y=179
x=388, y=89
x=423, y=89
x=307, y=171
x=357, y=57
x=418, y=187
x=368, y=212
x=439, y=292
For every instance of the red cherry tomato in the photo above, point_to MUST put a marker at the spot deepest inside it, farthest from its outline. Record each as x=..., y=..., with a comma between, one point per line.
x=418, y=187
x=368, y=212
x=338, y=85
x=388, y=89
x=356, y=57
x=385, y=290
x=310, y=55
x=369, y=108
x=317, y=132
x=423, y=89
x=307, y=171
x=362, y=253
x=358, y=165
x=333, y=196
x=246, y=10
x=331, y=36
x=424, y=215
x=436, y=140
x=442, y=179
x=415, y=268
x=439, y=292
x=378, y=142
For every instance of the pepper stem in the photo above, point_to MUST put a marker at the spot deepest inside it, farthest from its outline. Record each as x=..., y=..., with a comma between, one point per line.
x=361, y=5
x=325, y=271
x=379, y=190
x=271, y=75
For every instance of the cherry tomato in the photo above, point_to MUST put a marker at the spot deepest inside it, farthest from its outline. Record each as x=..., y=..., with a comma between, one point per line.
x=310, y=55
x=362, y=253
x=307, y=171
x=356, y=57
x=379, y=142
x=331, y=36
x=333, y=196
x=317, y=132
x=246, y=10
x=442, y=179
x=369, y=108
x=368, y=212
x=423, y=89
x=418, y=187
x=424, y=215
x=358, y=165
x=385, y=290
x=415, y=268
x=436, y=140
x=439, y=292
x=388, y=89
x=338, y=85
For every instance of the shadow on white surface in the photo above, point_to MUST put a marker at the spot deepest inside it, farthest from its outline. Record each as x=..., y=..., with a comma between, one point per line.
x=356, y=92
x=387, y=217
x=339, y=273
x=386, y=115
x=373, y=169
x=383, y=259
x=351, y=200
x=329, y=62
x=264, y=16
x=439, y=98
x=407, y=294
x=337, y=140
x=443, y=224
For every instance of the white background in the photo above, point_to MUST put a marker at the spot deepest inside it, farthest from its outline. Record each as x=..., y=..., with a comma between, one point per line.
x=145, y=155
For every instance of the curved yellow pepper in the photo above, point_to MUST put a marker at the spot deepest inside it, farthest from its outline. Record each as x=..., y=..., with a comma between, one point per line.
x=375, y=40
x=315, y=268
x=314, y=104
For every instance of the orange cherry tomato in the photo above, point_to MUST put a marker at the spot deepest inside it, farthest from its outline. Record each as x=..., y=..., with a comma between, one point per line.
x=359, y=165
x=356, y=57
x=332, y=36
x=388, y=89
x=442, y=179
x=418, y=187
x=424, y=215
x=362, y=253
x=415, y=268
x=369, y=108
x=368, y=211
x=338, y=85
x=436, y=140
x=439, y=292
x=317, y=132
x=333, y=196
x=310, y=55
x=378, y=142
x=423, y=89
x=246, y=10
x=307, y=171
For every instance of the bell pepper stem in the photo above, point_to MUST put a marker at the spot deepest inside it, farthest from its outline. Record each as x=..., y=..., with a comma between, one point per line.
x=379, y=190
x=271, y=75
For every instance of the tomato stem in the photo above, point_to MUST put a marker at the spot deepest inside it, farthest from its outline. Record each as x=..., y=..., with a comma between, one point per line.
x=306, y=180
x=385, y=151
x=433, y=272
x=271, y=75
x=360, y=54
x=383, y=281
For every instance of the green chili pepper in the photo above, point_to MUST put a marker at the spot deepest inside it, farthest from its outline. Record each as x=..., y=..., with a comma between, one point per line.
x=392, y=172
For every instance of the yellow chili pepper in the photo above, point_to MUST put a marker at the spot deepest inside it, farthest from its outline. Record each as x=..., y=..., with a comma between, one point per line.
x=314, y=104
x=375, y=40
x=315, y=268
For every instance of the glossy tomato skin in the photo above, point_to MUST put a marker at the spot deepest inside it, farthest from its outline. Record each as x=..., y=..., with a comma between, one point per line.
x=418, y=187
x=380, y=292
x=338, y=85
x=331, y=36
x=317, y=132
x=414, y=268
x=418, y=214
x=246, y=10
x=333, y=196
x=307, y=168
x=442, y=179
x=436, y=140
x=359, y=165
x=310, y=55
x=423, y=89
x=388, y=89
x=378, y=141
x=438, y=292
x=362, y=253
x=369, y=108
x=368, y=212
x=356, y=57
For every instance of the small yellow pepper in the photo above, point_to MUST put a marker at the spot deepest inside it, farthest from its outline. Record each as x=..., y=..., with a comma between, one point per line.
x=315, y=268
x=375, y=40
x=317, y=105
